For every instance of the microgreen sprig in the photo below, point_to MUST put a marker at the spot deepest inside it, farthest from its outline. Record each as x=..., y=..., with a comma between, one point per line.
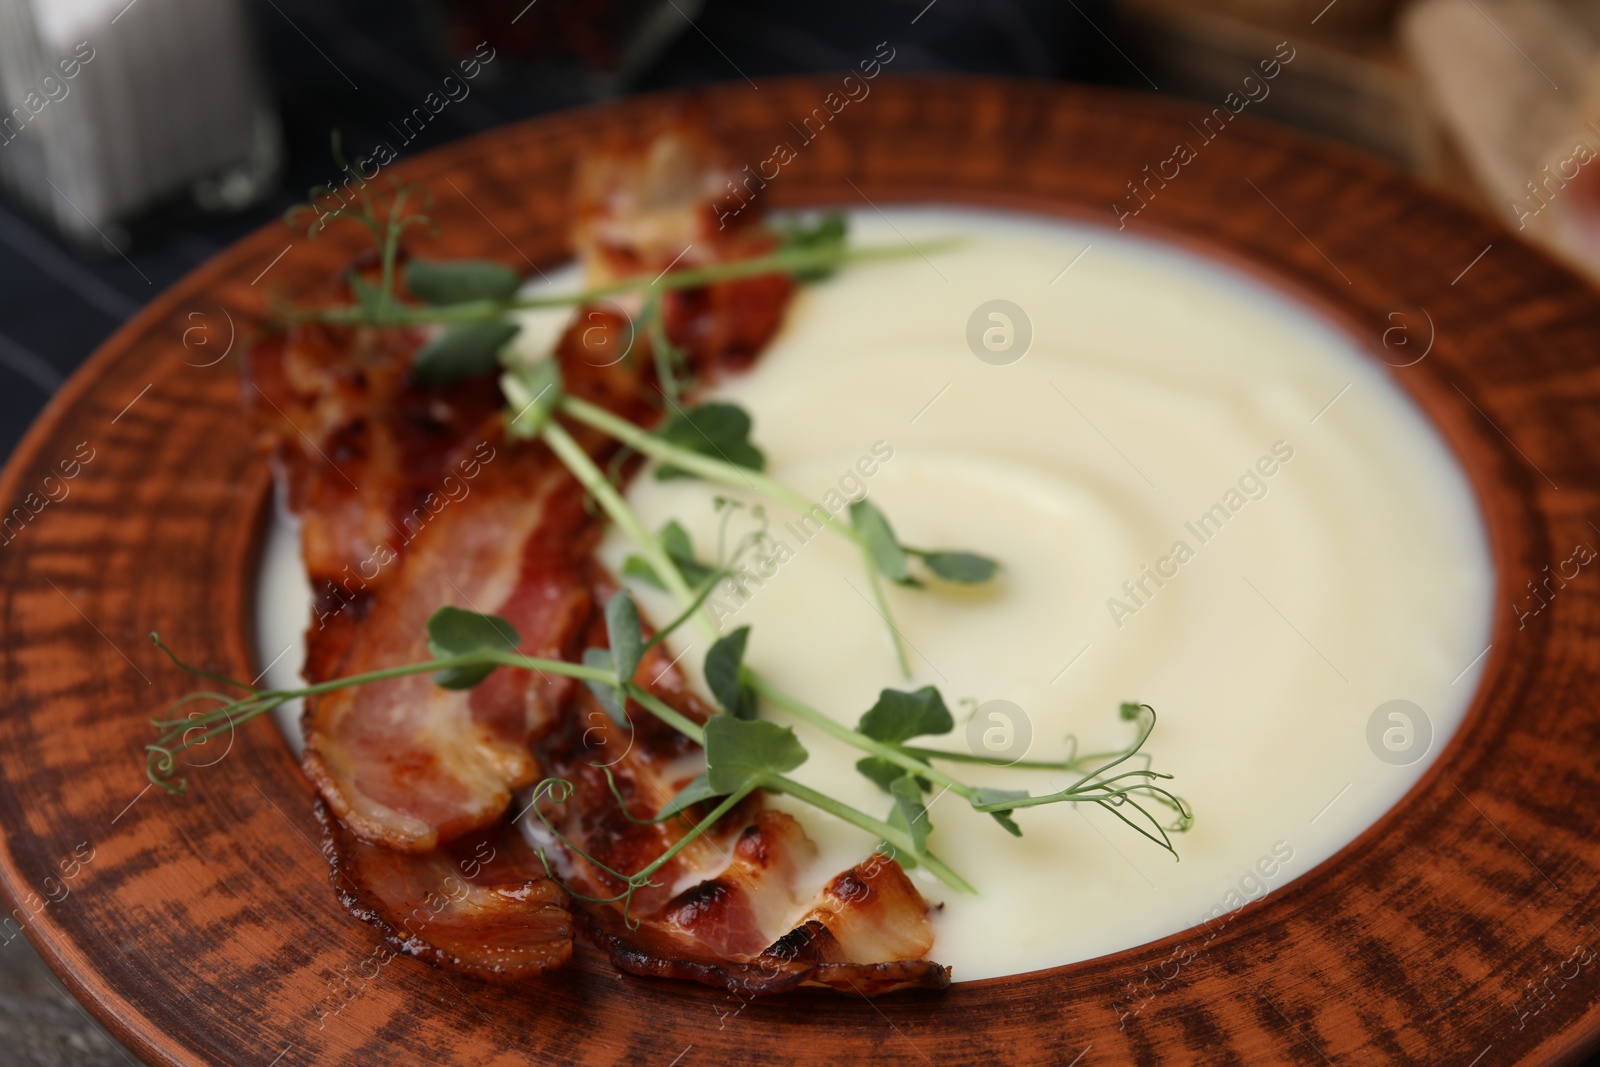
x=711, y=442
x=377, y=304
x=454, y=669
x=783, y=261
x=1095, y=786
x=743, y=752
x=475, y=299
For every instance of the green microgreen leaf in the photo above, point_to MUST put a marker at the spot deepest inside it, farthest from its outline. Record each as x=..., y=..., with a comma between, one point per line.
x=882, y=772
x=609, y=696
x=1004, y=819
x=725, y=675
x=532, y=394
x=892, y=558
x=909, y=812
x=460, y=281
x=718, y=430
x=899, y=716
x=455, y=632
x=636, y=566
x=675, y=542
x=887, y=555
x=987, y=795
x=625, y=634
x=366, y=294
x=968, y=568
x=740, y=751
x=828, y=233
x=693, y=793
x=463, y=351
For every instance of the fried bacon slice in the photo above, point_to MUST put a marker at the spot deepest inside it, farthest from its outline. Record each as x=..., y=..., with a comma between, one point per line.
x=409, y=764
x=736, y=913
x=672, y=199
x=737, y=922
x=411, y=498
x=366, y=458
x=866, y=931
x=476, y=907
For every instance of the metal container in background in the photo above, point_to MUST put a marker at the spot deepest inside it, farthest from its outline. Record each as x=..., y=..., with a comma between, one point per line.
x=109, y=108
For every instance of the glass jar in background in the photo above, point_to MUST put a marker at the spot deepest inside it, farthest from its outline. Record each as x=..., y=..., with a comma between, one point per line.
x=110, y=108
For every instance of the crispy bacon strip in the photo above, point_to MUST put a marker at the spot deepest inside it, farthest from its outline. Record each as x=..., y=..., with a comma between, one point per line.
x=646, y=764
x=810, y=954
x=738, y=924
x=804, y=958
x=640, y=201
x=405, y=762
x=416, y=780
x=477, y=907
x=874, y=913
x=366, y=457
x=673, y=200
x=866, y=930
x=739, y=912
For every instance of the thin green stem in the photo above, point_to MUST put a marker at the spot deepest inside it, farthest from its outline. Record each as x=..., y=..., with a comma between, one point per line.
x=246, y=708
x=391, y=249
x=664, y=352
x=876, y=584
x=189, y=743
x=668, y=714
x=688, y=612
x=893, y=753
x=548, y=788
x=155, y=639
x=1074, y=764
x=222, y=699
x=899, y=839
x=727, y=805
x=713, y=470
x=1146, y=728
x=1092, y=794
x=730, y=474
x=470, y=659
x=593, y=480
x=784, y=262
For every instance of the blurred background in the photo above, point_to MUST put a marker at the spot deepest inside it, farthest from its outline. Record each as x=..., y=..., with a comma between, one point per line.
x=139, y=138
